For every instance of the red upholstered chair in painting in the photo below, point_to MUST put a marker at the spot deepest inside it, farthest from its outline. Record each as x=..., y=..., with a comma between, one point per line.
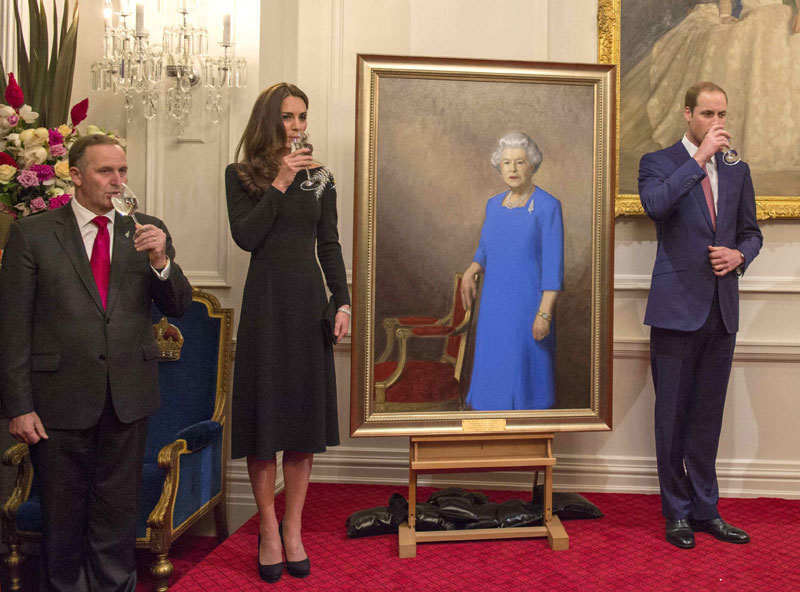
x=421, y=384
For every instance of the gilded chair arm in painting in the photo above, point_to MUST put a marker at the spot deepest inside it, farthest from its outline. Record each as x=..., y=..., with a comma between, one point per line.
x=17, y=456
x=391, y=323
x=402, y=334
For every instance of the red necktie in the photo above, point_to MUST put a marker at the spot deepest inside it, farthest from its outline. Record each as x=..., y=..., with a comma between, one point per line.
x=706, y=184
x=101, y=259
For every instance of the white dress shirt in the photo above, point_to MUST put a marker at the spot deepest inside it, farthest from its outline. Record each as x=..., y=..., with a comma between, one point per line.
x=89, y=230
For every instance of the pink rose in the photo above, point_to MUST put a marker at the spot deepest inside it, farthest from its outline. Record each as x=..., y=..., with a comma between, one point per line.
x=59, y=200
x=57, y=150
x=12, y=120
x=37, y=205
x=43, y=171
x=28, y=178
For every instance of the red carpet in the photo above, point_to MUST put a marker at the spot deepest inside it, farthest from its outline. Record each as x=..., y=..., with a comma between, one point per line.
x=625, y=550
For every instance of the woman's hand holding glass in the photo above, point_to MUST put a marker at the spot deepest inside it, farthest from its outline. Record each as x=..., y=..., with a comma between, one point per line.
x=291, y=164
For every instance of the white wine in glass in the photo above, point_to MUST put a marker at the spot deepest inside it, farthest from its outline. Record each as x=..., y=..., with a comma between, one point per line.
x=730, y=156
x=126, y=203
x=298, y=143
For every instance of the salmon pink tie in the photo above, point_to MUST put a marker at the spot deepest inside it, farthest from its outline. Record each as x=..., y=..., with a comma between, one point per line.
x=101, y=259
x=706, y=184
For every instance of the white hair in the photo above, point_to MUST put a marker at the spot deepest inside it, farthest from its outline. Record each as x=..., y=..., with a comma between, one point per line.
x=517, y=140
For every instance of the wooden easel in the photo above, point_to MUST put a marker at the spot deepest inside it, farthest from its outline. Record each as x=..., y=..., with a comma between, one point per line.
x=463, y=453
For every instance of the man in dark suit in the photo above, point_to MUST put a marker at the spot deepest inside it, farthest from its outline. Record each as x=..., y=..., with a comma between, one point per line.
x=78, y=364
x=705, y=216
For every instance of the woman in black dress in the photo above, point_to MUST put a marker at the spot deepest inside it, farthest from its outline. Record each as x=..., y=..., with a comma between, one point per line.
x=284, y=388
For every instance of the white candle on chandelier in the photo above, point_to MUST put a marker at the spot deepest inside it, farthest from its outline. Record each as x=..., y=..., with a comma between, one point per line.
x=139, y=18
x=107, y=17
x=226, y=28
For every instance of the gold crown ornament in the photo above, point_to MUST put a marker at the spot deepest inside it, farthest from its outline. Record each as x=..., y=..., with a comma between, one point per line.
x=169, y=340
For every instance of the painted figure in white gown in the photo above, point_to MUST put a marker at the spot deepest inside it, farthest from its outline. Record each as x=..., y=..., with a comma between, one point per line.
x=755, y=56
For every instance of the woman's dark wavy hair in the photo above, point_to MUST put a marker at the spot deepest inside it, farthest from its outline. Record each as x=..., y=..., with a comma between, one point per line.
x=258, y=152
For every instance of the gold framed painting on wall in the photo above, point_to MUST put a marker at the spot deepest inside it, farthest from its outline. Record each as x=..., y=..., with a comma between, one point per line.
x=437, y=189
x=751, y=48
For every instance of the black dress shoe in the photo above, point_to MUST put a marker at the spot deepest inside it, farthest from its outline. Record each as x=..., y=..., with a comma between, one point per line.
x=296, y=569
x=268, y=573
x=721, y=530
x=680, y=534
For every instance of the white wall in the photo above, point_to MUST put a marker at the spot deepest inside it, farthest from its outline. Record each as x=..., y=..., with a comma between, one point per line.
x=314, y=43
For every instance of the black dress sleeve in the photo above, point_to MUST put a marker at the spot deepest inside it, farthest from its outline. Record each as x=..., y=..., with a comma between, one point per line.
x=250, y=218
x=329, y=251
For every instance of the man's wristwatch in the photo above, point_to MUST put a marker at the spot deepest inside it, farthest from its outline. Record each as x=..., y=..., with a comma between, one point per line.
x=547, y=317
x=740, y=270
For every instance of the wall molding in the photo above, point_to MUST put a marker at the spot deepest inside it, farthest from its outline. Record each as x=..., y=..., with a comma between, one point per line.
x=759, y=285
x=746, y=350
x=581, y=473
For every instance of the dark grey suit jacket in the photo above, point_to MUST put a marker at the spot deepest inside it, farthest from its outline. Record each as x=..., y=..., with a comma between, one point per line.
x=59, y=350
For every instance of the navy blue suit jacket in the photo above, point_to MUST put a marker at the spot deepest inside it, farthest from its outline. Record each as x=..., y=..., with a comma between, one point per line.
x=683, y=282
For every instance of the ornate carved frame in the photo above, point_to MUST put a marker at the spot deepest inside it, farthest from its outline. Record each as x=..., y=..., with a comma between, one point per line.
x=373, y=72
x=609, y=32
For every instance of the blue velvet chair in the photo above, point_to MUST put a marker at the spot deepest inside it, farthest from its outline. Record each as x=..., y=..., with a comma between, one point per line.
x=183, y=476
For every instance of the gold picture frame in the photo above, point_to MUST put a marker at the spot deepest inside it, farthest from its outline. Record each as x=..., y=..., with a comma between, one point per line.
x=609, y=51
x=425, y=129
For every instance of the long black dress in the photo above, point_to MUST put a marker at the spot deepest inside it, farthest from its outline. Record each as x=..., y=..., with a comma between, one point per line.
x=284, y=387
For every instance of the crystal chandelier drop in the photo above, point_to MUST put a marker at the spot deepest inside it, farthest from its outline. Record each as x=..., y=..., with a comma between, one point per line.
x=133, y=66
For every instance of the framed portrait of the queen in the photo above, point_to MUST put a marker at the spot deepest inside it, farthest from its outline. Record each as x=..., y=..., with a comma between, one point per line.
x=483, y=259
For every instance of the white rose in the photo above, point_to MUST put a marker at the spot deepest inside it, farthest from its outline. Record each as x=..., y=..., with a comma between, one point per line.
x=35, y=155
x=6, y=111
x=42, y=134
x=13, y=139
x=27, y=135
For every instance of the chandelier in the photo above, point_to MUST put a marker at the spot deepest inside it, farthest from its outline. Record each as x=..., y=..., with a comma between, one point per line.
x=135, y=67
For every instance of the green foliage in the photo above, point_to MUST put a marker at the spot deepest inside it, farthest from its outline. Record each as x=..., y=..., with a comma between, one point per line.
x=44, y=70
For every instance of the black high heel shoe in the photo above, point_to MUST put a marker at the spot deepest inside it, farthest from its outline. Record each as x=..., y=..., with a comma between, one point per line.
x=296, y=569
x=268, y=573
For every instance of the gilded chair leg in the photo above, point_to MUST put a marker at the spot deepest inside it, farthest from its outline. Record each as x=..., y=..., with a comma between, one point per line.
x=221, y=521
x=14, y=562
x=161, y=571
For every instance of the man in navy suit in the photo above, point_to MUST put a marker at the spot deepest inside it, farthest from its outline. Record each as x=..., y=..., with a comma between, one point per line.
x=705, y=216
x=79, y=368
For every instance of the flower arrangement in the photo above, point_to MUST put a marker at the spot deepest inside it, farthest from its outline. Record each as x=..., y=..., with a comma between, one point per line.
x=34, y=169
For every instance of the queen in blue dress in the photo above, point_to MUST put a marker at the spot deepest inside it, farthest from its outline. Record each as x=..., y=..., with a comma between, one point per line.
x=521, y=256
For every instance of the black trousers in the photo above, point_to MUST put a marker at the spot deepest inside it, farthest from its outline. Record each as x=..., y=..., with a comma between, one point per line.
x=89, y=481
x=690, y=375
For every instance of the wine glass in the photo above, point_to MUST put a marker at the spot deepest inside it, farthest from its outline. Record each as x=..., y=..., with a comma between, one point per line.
x=298, y=143
x=126, y=203
x=730, y=156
